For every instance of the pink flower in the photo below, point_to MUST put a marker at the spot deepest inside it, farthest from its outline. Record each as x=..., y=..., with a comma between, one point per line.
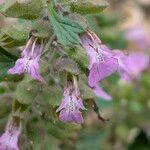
x=29, y=62
x=102, y=63
x=131, y=66
x=9, y=139
x=122, y=66
x=70, y=106
x=2, y=1
x=99, y=92
x=138, y=35
x=136, y=63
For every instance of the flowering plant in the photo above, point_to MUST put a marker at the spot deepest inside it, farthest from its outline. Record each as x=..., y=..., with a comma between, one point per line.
x=48, y=48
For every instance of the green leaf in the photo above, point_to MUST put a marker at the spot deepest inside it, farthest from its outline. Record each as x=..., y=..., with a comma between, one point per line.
x=60, y=133
x=66, y=29
x=53, y=94
x=17, y=33
x=27, y=9
x=78, y=18
x=27, y=91
x=80, y=57
x=88, y=6
x=13, y=37
x=7, y=60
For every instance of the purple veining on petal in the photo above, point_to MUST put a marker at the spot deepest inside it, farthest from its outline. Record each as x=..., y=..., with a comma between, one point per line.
x=19, y=66
x=70, y=106
x=102, y=70
x=29, y=62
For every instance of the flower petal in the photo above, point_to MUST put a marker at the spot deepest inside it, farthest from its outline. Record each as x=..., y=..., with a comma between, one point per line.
x=8, y=141
x=102, y=70
x=62, y=105
x=125, y=75
x=101, y=93
x=77, y=117
x=33, y=70
x=65, y=116
x=132, y=61
x=19, y=67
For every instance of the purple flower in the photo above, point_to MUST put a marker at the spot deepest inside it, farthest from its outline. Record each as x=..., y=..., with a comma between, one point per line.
x=137, y=62
x=2, y=1
x=29, y=62
x=122, y=66
x=102, y=63
x=131, y=66
x=9, y=139
x=70, y=106
x=138, y=35
x=99, y=92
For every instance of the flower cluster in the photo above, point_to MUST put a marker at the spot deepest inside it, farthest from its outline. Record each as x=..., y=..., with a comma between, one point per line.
x=103, y=62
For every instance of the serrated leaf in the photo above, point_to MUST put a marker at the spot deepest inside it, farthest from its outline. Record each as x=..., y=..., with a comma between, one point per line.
x=67, y=65
x=27, y=9
x=66, y=29
x=7, y=60
x=88, y=6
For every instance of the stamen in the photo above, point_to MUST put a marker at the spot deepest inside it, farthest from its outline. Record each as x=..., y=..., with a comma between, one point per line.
x=33, y=46
x=30, y=41
x=27, y=66
x=99, y=56
x=71, y=105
